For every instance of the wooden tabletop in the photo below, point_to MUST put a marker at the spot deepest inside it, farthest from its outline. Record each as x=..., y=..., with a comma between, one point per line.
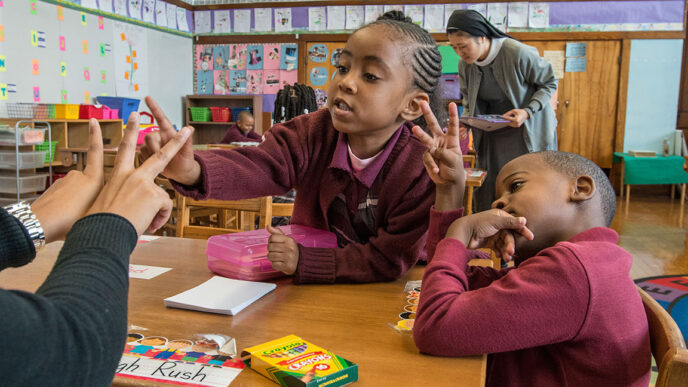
x=353, y=321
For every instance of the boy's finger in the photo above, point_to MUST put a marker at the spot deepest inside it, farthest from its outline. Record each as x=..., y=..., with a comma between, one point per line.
x=94, y=158
x=127, y=147
x=157, y=163
x=430, y=119
x=166, y=127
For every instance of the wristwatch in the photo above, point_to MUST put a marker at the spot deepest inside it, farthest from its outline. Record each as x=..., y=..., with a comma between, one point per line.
x=22, y=211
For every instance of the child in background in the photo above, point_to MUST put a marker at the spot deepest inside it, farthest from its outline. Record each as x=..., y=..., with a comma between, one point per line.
x=568, y=312
x=356, y=166
x=242, y=131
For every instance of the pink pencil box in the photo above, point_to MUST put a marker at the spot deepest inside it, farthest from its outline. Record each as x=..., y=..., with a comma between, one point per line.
x=243, y=255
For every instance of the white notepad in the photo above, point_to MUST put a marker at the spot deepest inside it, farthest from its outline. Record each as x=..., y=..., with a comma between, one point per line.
x=220, y=295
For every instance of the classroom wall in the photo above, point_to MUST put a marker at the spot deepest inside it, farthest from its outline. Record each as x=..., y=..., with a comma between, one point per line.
x=68, y=73
x=653, y=87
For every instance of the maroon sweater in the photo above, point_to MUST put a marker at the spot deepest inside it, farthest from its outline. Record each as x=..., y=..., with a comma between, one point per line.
x=298, y=154
x=234, y=134
x=568, y=316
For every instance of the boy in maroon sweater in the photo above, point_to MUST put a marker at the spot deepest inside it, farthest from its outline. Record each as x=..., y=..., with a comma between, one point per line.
x=568, y=312
x=356, y=166
x=242, y=131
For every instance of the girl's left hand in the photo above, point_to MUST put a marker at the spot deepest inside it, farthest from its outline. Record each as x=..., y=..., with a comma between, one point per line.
x=516, y=116
x=283, y=251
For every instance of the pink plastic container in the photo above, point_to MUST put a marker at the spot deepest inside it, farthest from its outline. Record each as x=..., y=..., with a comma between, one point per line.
x=143, y=132
x=243, y=255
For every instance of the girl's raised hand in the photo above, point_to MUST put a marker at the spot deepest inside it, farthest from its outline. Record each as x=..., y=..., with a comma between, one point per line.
x=443, y=159
x=183, y=168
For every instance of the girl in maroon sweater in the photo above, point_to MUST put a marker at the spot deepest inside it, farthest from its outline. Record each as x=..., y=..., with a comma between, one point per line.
x=555, y=317
x=356, y=167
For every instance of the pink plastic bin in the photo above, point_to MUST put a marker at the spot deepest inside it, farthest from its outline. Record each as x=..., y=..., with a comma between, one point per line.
x=243, y=255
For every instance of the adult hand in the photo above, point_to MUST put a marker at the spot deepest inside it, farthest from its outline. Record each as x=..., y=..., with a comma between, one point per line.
x=283, y=251
x=69, y=198
x=131, y=192
x=183, y=168
x=494, y=229
x=443, y=159
x=516, y=116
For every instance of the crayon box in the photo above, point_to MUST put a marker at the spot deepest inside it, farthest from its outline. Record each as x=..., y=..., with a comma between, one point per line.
x=292, y=361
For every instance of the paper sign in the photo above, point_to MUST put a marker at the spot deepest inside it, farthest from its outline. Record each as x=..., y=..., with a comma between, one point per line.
x=34, y=67
x=576, y=64
x=557, y=59
x=518, y=15
x=317, y=19
x=336, y=17
x=63, y=43
x=538, y=15
x=496, y=14
x=182, y=23
x=63, y=95
x=101, y=23
x=354, y=16
x=3, y=91
x=83, y=18
x=34, y=38
x=60, y=13
x=282, y=19
x=242, y=20
x=87, y=97
x=11, y=88
x=146, y=272
x=103, y=77
x=223, y=24
x=372, y=12
x=434, y=17
x=202, y=22
x=576, y=49
x=87, y=74
x=161, y=13
x=2, y=3
x=149, y=11
x=41, y=40
x=415, y=12
x=36, y=94
x=102, y=49
x=63, y=69
x=84, y=46
x=32, y=7
x=176, y=372
x=3, y=65
x=2, y=33
x=262, y=19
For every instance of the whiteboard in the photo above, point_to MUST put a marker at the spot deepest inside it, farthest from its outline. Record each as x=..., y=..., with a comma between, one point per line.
x=168, y=58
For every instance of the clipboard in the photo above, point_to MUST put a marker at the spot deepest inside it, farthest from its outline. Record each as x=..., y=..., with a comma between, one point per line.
x=486, y=122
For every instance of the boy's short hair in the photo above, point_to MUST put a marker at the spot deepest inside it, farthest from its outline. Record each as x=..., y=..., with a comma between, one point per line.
x=574, y=165
x=243, y=114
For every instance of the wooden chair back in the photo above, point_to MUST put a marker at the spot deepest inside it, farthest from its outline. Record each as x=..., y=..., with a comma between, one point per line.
x=263, y=207
x=666, y=341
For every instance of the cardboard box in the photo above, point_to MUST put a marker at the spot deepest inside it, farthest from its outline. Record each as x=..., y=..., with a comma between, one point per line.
x=292, y=361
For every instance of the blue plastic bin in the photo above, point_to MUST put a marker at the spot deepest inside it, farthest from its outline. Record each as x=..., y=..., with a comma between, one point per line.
x=125, y=105
x=236, y=110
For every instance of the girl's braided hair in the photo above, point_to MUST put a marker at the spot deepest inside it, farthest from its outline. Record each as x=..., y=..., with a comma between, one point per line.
x=425, y=60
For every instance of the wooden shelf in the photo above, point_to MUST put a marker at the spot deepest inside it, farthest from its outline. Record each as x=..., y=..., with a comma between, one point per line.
x=212, y=132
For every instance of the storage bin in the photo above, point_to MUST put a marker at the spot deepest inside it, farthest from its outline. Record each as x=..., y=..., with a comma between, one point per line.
x=34, y=183
x=221, y=114
x=200, y=114
x=49, y=156
x=27, y=135
x=125, y=106
x=20, y=110
x=8, y=160
x=110, y=114
x=237, y=110
x=65, y=111
x=90, y=111
x=44, y=111
x=243, y=255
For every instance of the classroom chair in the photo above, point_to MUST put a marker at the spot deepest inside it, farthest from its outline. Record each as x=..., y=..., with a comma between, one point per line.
x=666, y=341
x=246, y=212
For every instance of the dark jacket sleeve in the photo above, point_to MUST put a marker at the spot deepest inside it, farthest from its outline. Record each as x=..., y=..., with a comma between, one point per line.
x=72, y=331
x=16, y=247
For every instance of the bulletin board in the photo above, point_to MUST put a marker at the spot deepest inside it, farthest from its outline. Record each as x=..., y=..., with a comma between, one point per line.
x=244, y=68
x=321, y=62
x=55, y=54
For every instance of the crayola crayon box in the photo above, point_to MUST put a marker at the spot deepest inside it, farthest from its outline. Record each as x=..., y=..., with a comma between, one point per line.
x=291, y=361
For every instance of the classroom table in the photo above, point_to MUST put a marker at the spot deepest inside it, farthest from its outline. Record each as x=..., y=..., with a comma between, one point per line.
x=352, y=320
x=651, y=170
x=472, y=182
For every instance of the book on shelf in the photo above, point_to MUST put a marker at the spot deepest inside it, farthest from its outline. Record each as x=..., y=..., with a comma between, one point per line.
x=642, y=153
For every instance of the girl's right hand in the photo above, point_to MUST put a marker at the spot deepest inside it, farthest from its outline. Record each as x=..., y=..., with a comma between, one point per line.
x=443, y=159
x=183, y=168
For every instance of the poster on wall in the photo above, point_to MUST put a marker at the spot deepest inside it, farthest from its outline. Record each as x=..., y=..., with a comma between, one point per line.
x=237, y=82
x=288, y=57
x=237, y=56
x=130, y=53
x=161, y=13
x=204, y=82
x=321, y=67
x=221, y=57
x=271, y=56
x=221, y=82
x=254, y=57
x=254, y=84
x=223, y=24
x=149, y=11
x=204, y=57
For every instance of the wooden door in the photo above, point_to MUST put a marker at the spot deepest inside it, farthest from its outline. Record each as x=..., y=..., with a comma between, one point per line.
x=587, y=101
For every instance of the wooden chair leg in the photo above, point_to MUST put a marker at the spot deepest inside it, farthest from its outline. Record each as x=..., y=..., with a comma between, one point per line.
x=628, y=196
